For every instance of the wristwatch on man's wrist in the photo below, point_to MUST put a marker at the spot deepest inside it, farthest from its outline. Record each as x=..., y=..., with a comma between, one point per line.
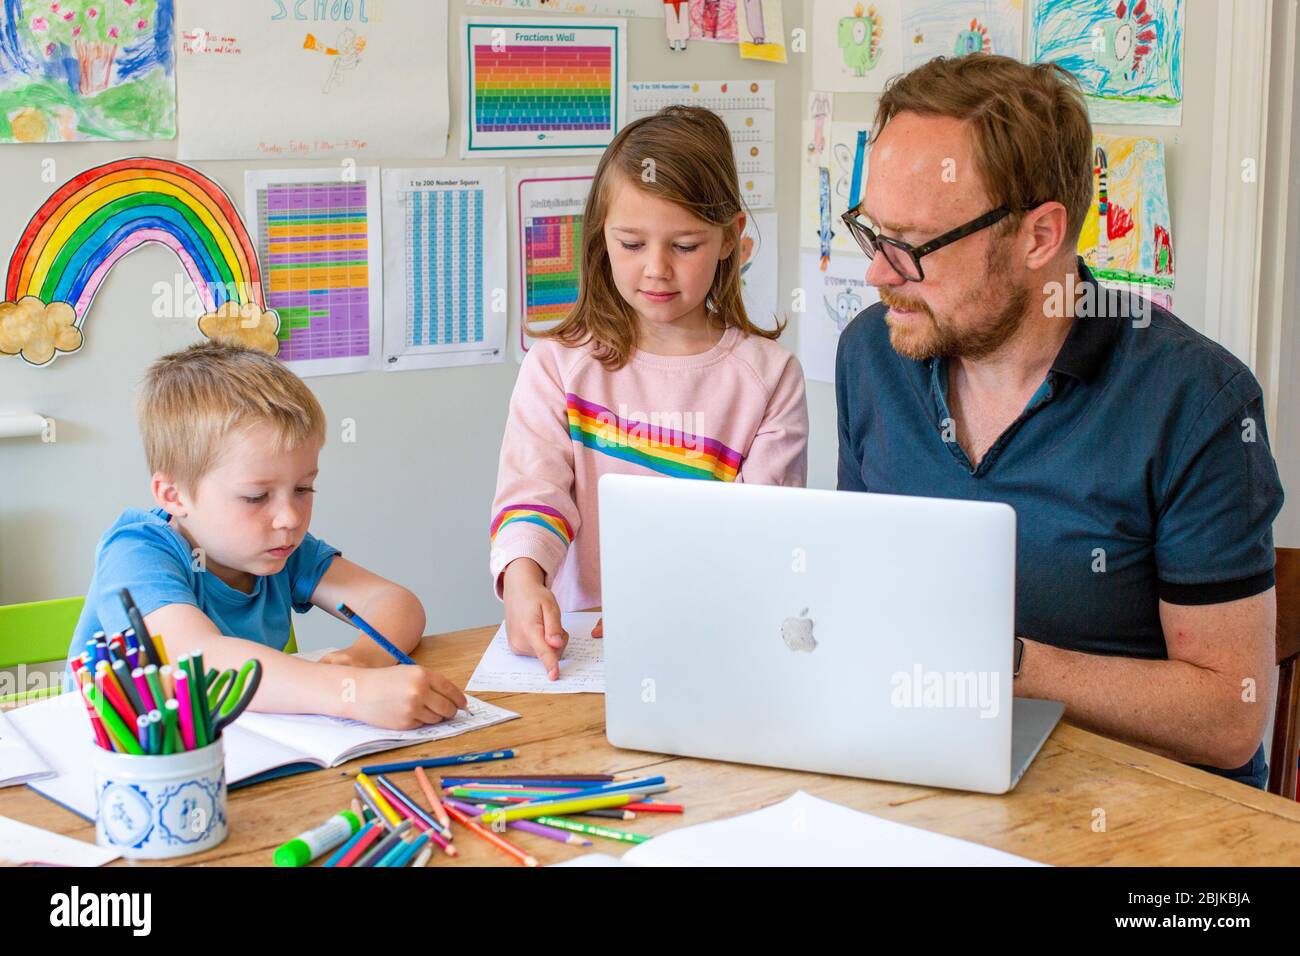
x=1016, y=657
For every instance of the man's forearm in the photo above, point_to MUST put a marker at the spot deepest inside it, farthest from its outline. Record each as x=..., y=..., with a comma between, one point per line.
x=1171, y=707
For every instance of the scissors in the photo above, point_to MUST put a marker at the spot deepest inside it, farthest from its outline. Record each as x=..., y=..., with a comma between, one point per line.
x=235, y=693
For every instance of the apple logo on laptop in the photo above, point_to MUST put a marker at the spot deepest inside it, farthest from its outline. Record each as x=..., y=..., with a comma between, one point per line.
x=797, y=632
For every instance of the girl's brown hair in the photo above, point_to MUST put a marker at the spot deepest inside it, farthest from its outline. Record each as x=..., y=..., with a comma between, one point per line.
x=681, y=154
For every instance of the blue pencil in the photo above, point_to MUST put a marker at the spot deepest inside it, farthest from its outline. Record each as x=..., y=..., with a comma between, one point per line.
x=605, y=789
x=352, y=841
x=438, y=762
x=412, y=848
x=385, y=643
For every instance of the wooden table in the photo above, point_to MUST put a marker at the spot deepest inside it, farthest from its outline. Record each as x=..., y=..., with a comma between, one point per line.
x=1086, y=800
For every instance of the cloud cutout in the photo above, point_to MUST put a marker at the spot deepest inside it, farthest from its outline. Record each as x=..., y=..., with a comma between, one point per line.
x=38, y=331
x=243, y=325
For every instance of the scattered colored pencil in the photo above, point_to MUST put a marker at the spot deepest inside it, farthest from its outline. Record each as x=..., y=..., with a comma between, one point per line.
x=478, y=829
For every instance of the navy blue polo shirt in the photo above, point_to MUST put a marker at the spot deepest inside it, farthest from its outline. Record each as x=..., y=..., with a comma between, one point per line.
x=1139, y=471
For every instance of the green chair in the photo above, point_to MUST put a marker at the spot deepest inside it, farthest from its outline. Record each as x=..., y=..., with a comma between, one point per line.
x=35, y=633
x=41, y=631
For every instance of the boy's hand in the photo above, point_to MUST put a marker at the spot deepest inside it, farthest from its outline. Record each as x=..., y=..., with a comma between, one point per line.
x=403, y=697
x=533, y=623
x=599, y=629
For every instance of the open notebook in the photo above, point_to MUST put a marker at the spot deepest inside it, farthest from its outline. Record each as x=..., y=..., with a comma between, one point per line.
x=258, y=746
x=804, y=830
x=19, y=763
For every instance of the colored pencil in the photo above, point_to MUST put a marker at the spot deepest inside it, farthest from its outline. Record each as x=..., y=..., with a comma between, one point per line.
x=123, y=674
x=381, y=804
x=527, y=826
x=431, y=794
x=439, y=761
x=370, y=804
x=186, y=702
x=382, y=847
x=530, y=811
x=478, y=829
x=372, y=832
x=524, y=779
x=402, y=804
x=199, y=700
x=144, y=690
x=82, y=676
x=123, y=739
x=359, y=622
x=352, y=841
x=590, y=829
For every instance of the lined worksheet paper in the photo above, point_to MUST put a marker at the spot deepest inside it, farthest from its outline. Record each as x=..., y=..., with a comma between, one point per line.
x=582, y=668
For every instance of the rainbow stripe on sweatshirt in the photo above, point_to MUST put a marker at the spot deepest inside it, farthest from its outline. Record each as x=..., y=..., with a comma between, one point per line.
x=665, y=450
x=543, y=515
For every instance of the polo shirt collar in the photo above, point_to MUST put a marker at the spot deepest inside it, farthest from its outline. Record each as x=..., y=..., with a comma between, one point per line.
x=1091, y=337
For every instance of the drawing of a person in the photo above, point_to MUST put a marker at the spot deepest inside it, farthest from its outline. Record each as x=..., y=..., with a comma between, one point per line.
x=754, y=19
x=709, y=18
x=349, y=47
x=677, y=23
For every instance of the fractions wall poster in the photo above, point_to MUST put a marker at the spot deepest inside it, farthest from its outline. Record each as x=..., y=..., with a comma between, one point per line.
x=543, y=86
x=318, y=238
x=444, y=267
x=831, y=300
x=759, y=268
x=282, y=80
x=550, y=203
x=73, y=71
x=748, y=107
x=1126, y=236
x=1127, y=55
x=586, y=8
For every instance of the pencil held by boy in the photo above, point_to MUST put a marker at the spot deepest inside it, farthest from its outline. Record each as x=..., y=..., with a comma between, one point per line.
x=232, y=439
x=657, y=369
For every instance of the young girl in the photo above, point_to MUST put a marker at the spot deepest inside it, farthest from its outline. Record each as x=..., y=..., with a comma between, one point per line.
x=656, y=370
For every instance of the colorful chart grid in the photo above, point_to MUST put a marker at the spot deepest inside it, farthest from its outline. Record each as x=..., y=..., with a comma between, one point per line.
x=444, y=266
x=551, y=263
x=314, y=241
x=538, y=88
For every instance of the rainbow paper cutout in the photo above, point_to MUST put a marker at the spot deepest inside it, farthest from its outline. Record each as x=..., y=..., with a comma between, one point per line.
x=85, y=228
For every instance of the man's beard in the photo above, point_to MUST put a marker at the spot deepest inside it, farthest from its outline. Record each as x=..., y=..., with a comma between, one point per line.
x=937, y=337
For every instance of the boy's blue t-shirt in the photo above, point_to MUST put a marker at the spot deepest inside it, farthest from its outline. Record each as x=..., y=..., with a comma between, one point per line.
x=142, y=552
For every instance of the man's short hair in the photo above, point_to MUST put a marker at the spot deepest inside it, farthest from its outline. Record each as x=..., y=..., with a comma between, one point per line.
x=1029, y=125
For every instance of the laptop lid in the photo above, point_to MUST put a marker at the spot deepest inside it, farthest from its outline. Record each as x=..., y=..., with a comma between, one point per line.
x=837, y=632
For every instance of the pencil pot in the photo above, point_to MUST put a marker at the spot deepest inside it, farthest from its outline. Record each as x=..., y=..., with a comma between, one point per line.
x=152, y=807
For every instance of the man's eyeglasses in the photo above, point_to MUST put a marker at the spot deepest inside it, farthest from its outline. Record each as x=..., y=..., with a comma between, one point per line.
x=904, y=258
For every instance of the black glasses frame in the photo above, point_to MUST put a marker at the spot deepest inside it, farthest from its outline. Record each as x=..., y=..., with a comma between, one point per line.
x=870, y=240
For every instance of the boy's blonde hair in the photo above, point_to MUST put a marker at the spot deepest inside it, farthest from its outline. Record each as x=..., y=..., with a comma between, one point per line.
x=194, y=398
x=689, y=150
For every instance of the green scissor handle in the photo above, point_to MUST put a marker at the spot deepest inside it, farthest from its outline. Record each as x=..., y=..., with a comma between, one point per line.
x=219, y=688
x=238, y=698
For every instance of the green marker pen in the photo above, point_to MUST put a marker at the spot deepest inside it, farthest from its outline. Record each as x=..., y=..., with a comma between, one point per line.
x=305, y=847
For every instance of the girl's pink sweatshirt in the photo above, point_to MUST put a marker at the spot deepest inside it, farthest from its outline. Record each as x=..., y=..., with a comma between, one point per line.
x=734, y=413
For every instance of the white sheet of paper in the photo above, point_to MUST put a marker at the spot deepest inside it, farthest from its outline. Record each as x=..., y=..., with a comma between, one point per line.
x=804, y=830
x=19, y=762
x=582, y=668
x=23, y=843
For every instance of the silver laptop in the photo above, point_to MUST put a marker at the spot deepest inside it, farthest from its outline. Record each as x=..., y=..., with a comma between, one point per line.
x=837, y=632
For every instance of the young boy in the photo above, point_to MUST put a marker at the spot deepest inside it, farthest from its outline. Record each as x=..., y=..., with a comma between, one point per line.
x=232, y=438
